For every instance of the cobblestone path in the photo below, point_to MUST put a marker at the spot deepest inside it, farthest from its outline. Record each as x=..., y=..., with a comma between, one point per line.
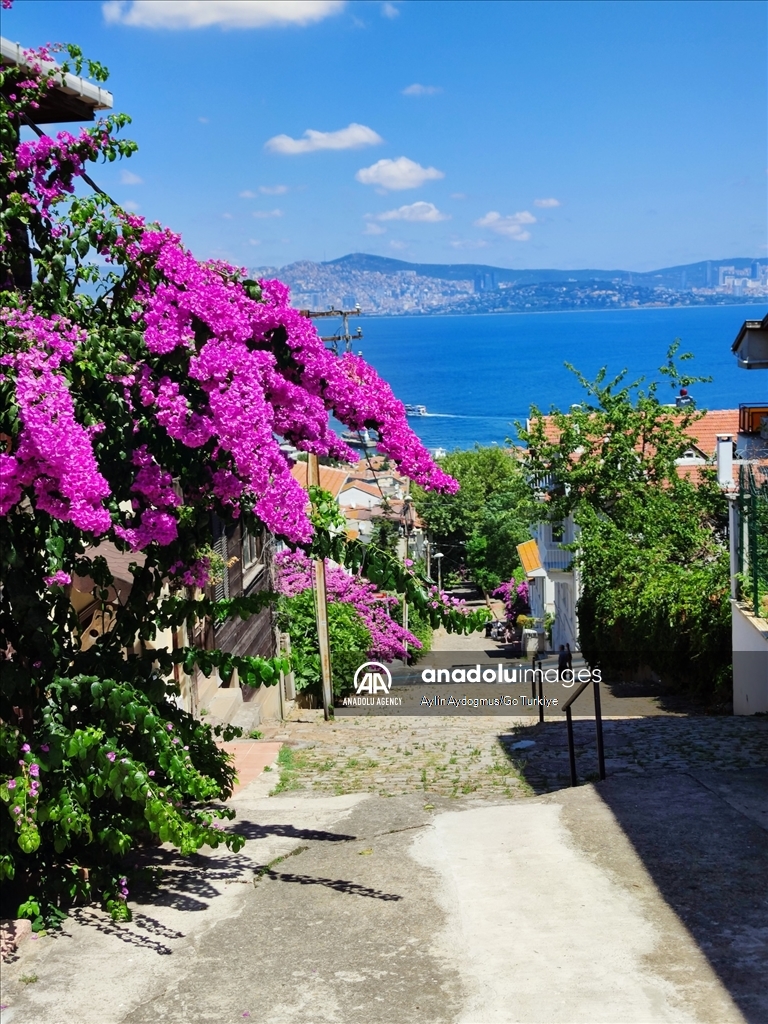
x=453, y=757
x=445, y=757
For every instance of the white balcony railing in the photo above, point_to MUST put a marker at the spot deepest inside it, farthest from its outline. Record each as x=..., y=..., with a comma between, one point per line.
x=556, y=558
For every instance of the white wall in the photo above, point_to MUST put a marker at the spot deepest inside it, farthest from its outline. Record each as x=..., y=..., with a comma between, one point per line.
x=355, y=498
x=750, y=662
x=565, y=629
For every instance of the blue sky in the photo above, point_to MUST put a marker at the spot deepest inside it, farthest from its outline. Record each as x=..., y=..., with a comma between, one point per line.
x=548, y=134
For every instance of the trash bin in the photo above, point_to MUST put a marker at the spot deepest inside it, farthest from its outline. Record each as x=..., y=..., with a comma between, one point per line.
x=530, y=641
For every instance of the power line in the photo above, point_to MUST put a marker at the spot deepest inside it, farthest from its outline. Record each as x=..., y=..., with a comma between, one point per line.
x=343, y=334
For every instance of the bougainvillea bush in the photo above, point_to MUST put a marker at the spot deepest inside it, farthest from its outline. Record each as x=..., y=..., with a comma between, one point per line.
x=142, y=391
x=364, y=620
x=515, y=595
x=388, y=639
x=360, y=622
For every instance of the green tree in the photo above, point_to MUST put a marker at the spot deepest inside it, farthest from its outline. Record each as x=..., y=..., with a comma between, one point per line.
x=483, y=523
x=652, y=551
x=348, y=637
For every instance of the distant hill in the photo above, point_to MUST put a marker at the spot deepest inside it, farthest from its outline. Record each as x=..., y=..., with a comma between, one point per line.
x=384, y=286
x=693, y=274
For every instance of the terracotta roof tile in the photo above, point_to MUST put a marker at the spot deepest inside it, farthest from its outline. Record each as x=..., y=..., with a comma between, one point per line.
x=331, y=479
x=361, y=485
x=716, y=421
x=703, y=432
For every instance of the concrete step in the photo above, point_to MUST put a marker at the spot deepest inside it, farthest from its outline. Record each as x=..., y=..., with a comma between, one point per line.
x=207, y=690
x=224, y=705
x=247, y=718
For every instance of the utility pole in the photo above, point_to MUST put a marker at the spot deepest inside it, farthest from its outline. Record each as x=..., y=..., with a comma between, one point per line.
x=344, y=338
x=321, y=605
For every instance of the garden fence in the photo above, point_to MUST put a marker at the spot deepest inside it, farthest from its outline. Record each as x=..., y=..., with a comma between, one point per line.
x=753, y=536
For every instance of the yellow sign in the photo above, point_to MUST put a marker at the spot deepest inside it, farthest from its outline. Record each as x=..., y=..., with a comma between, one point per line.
x=529, y=555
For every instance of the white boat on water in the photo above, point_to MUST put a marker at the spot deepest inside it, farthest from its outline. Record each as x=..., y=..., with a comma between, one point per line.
x=416, y=410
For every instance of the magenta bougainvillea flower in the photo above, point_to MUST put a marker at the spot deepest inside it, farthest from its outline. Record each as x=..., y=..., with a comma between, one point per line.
x=219, y=367
x=388, y=638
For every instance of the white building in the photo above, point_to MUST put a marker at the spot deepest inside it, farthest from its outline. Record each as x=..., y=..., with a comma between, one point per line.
x=554, y=582
x=727, y=438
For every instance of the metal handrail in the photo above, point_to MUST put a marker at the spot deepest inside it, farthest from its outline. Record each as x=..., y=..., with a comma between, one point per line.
x=598, y=730
x=569, y=720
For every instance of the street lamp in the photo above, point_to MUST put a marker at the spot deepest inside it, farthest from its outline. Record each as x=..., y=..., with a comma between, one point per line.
x=438, y=557
x=407, y=519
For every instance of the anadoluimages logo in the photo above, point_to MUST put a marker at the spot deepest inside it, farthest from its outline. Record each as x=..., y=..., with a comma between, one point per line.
x=372, y=677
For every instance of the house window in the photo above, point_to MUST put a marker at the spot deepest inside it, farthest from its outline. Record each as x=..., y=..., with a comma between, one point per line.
x=557, y=533
x=253, y=555
x=221, y=587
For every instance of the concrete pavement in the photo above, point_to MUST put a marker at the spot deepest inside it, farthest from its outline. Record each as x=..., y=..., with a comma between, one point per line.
x=623, y=902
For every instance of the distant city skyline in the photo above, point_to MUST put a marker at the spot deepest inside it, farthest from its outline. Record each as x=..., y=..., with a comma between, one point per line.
x=385, y=286
x=518, y=135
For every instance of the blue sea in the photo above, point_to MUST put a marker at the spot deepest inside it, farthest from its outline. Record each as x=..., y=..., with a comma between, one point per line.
x=478, y=374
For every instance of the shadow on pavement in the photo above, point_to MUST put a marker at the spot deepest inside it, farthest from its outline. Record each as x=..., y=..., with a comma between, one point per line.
x=690, y=793
x=252, y=830
x=166, y=879
x=339, y=884
x=642, y=734
x=698, y=836
x=133, y=935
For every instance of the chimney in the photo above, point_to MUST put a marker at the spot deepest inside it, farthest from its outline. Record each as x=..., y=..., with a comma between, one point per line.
x=725, y=460
x=683, y=399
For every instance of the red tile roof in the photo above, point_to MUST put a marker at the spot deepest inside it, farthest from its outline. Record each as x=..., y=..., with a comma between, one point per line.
x=331, y=479
x=703, y=432
x=716, y=421
x=361, y=485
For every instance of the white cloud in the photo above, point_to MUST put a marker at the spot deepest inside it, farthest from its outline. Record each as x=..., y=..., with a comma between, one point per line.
x=182, y=14
x=374, y=229
x=354, y=136
x=129, y=178
x=469, y=243
x=397, y=174
x=510, y=227
x=389, y=10
x=255, y=241
x=458, y=195
x=227, y=216
x=421, y=211
x=398, y=245
x=546, y=204
x=265, y=190
x=203, y=120
x=266, y=214
x=421, y=90
x=130, y=206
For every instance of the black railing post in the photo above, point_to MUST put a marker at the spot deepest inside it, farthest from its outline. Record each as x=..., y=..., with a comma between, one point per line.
x=567, y=709
x=599, y=730
x=571, y=750
x=541, y=697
